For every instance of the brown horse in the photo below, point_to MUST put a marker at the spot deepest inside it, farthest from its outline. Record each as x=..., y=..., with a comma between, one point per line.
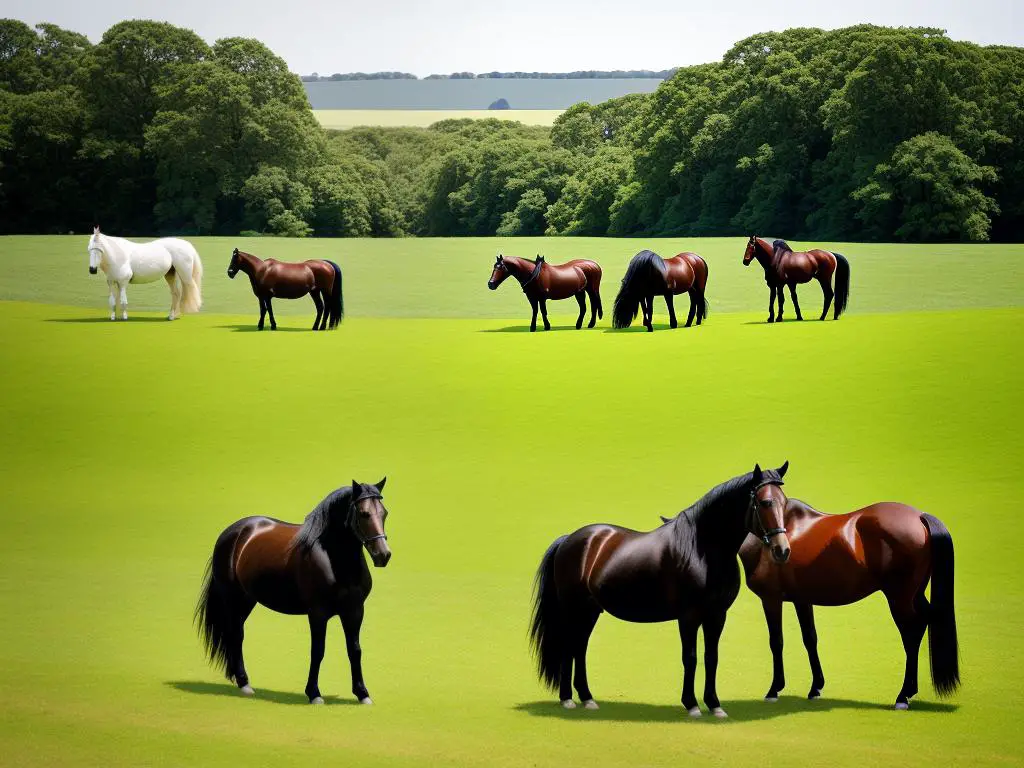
x=783, y=266
x=648, y=275
x=271, y=279
x=840, y=559
x=316, y=569
x=541, y=281
x=685, y=571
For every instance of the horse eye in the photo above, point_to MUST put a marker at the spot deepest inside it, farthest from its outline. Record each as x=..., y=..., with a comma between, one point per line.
x=766, y=502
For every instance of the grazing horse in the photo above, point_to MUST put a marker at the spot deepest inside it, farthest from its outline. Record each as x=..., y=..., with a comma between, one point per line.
x=685, y=571
x=648, y=275
x=124, y=262
x=541, y=281
x=783, y=266
x=272, y=279
x=840, y=559
x=316, y=569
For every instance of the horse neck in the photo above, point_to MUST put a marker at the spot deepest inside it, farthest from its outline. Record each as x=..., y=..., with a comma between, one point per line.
x=343, y=550
x=113, y=248
x=720, y=528
x=521, y=268
x=248, y=263
x=765, y=256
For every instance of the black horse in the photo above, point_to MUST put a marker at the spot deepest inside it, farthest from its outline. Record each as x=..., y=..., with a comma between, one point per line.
x=684, y=571
x=648, y=275
x=316, y=569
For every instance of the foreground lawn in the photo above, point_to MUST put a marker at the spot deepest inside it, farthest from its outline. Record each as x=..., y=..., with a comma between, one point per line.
x=127, y=448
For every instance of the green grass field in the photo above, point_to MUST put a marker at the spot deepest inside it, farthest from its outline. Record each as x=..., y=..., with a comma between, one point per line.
x=127, y=447
x=341, y=119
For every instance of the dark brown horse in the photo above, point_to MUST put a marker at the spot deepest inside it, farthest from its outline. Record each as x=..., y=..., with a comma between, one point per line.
x=316, y=569
x=785, y=267
x=685, y=571
x=273, y=279
x=840, y=559
x=648, y=275
x=541, y=281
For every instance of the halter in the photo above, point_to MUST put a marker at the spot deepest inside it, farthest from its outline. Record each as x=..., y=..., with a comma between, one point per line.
x=351, y=520
x=766, y=534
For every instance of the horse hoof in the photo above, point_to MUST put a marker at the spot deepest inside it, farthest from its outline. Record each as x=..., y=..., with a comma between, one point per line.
x=569, y=704
x=590, y=704
x=694, y=712
x=902, y=705
x=814, y=695
x=247, y=690
x=317, y=700
x=771, y=699
x=366, y=701
x=719, y=713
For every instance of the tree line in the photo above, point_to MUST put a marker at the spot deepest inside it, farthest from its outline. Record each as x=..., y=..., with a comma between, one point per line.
x=860, y=133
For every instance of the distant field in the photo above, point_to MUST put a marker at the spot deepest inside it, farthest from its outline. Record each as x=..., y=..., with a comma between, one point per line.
x=341, y=119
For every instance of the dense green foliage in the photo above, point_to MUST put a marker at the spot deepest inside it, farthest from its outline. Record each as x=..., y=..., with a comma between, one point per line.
x=859, y=133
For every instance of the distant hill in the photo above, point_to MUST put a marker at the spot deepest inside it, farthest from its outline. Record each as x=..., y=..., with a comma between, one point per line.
x=588, y=74
x=472, y=92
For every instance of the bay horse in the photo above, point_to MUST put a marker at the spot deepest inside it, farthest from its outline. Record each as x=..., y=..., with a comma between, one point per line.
x=841, y=559
x=124, y=262
x=541, y=281
x=272, y=279
x=648, y=275
x=316, y=569
x=685, y=571
x=785, y=267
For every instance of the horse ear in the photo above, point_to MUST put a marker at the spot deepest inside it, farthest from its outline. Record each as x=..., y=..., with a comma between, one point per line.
x=96, y=229
x=500, y=257
x=356, y=488
x=380, y=486
x=758, y=474
x=782, y=470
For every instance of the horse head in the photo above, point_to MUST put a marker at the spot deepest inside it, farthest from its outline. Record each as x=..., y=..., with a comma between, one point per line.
x=235, y=265
x=751, y=251
x=366, y=516
x=498, y=273
x=767, y=511
x=96, y=251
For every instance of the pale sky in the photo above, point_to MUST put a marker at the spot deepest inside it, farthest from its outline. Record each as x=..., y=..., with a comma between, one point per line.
x=425, y=36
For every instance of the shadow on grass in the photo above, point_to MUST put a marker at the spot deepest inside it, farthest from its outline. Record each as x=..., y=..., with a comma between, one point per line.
x=262, y=694
x=540, y=329
x=639, y=328
x=743, y=710
x=246, y=328
x=98, y=319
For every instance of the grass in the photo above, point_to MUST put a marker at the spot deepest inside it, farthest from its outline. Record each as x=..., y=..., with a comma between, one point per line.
x=342, y=119
x=127, y=447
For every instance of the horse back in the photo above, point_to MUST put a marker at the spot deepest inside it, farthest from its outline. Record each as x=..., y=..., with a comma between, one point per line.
x=266, y=566
x=680, y=274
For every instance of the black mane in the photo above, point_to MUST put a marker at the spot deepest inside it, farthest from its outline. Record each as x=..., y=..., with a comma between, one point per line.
x=781, y=245
x=317, y=522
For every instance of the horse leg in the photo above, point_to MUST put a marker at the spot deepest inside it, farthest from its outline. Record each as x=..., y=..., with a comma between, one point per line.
x=826, y=289
x=236, y=663
x=594, y=299
x=805, y=614
x=113, y=299
x=544, y=313
x=317, y=641
x=713, y=626
x=584, y=628
x=796, y=304
x=650, y=313
x=693, y=309
x=319, y=309
x=533, y=319
x=670, y=303
x=773, y=616
x=781, y=295
x=581, y=297
x=270, y=311
x=688, y=637
x=172, y=284
x=911, y=619
x=771, y=303
x=263, y=312
x=351, y=622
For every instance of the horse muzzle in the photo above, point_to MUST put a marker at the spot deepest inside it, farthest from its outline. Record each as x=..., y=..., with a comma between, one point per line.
x=780, y=550
x=93, y=270
x=746, y=262
x=492, y=285
x=381, y=559
x=232, y=274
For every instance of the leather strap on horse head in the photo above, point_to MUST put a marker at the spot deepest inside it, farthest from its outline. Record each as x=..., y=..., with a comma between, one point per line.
x=770, y=478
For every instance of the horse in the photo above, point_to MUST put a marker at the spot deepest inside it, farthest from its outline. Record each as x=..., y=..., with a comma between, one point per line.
x=316, y=569
x=124, y=262
x=784, y=266
x=841, y=559
x=648, y=275
x=541, y=281
x=684, y=571
x=272, y=279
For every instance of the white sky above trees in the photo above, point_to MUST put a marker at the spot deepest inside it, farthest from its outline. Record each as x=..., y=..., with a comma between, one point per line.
x=426, y=36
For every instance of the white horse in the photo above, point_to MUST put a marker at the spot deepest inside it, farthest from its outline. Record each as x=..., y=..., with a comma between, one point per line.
x=123, y=262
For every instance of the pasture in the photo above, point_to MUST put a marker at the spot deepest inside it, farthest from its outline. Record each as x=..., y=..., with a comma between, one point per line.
x=343, y=119
x=127, y=448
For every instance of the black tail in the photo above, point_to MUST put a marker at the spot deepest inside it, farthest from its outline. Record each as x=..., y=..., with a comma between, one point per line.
x=214, y=622
x=942, y=643
x=336, y=306
x=640, y=274
x=842, y=284
x=547, y=635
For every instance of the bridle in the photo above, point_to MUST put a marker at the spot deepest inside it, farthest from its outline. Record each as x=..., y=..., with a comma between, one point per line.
x=351, y=520
x=234, y=257
x=766, y=533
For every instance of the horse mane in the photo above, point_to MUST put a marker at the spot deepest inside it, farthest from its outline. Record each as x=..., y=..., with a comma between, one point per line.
x=781, y=245
x=715, y=496
x=317, y=522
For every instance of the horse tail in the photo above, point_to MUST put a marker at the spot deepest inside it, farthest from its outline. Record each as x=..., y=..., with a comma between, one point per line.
x=842, y=283
x=214, y=619
x=702, y=304
x=192, y=291
x=942, y=643
x=547, y=634
x=638, y=275
x=336, y=306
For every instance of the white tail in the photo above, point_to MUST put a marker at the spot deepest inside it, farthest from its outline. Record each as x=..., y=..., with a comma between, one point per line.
x=192, y=291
